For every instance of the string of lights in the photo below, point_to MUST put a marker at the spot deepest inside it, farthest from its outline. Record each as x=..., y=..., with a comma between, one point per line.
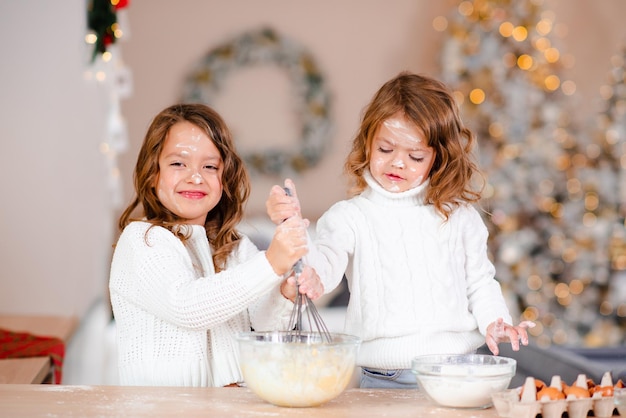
x=105, y=23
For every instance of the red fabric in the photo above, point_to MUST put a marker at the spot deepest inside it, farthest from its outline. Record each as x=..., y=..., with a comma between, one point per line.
x=23, y=344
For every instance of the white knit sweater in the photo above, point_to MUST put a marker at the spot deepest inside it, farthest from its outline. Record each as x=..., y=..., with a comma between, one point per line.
x=418, y=285
x=176, y=319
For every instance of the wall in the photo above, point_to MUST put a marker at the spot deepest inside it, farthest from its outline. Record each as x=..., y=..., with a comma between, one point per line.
x=55, y=215
x=593, y=35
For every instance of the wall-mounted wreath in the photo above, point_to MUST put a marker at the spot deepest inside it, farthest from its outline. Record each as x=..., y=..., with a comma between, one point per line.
x=265, y=46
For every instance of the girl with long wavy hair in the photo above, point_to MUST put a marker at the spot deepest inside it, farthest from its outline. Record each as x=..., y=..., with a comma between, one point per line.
x=183, y=280
x=411, y=244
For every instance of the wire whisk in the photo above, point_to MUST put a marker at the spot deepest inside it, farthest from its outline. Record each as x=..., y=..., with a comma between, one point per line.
x=305, y=308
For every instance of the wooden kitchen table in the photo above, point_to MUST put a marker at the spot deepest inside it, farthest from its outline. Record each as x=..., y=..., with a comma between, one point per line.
x=132, y=401
x=24, y=370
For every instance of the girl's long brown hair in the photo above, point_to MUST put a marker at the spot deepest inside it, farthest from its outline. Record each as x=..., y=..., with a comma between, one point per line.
x=431, y=107
x=222, y=220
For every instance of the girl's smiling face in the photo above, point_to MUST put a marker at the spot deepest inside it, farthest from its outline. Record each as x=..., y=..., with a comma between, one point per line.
x=400, y=158
x=189, y=183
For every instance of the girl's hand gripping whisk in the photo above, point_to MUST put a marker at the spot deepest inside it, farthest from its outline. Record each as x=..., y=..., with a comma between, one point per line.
x=295, y=322
x=302, y=300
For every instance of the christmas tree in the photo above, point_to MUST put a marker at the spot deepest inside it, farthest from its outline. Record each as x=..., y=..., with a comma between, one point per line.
x=550, y=200
x=611, y=136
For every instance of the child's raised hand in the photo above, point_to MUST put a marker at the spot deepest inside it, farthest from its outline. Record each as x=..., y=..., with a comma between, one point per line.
x=310, y=285
x=499, y=331
x=280, y=206
x=288, y=245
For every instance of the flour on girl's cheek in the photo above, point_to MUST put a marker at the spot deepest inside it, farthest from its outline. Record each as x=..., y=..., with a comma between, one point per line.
x=417, y=181
x=168, y=197
x=377, y=164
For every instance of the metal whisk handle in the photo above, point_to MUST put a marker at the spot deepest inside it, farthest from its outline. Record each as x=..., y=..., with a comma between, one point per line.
x=303, y=302
x=297, y=268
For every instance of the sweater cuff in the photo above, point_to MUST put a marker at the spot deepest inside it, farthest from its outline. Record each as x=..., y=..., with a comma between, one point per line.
x=272, y=312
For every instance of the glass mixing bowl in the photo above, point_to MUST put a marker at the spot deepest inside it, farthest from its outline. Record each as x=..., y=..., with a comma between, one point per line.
x=297, y=370
x=463, y=380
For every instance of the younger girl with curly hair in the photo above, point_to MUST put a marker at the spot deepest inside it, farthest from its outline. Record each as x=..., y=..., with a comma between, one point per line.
x=409, y=241
x=183, y=280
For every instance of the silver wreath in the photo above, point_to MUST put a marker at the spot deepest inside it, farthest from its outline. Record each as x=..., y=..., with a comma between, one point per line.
x=265, y=46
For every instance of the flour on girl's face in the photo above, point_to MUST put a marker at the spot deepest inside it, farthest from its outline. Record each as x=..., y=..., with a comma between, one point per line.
x=196, y=178
x=188, y=142
x=400, y=158
x=398, y=164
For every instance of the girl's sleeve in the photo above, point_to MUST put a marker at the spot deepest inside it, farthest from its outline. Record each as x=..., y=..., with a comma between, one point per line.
x=272, y=311
x=332, y=246
x=485, y=297
x=159, y=277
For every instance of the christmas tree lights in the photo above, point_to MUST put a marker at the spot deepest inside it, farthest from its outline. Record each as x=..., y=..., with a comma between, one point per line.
x=554, y=195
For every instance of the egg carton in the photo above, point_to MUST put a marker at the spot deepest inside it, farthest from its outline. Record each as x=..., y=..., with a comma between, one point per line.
x=508, y=405
x=521, y=402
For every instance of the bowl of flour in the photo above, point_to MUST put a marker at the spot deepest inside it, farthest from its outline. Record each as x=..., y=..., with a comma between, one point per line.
x=463, y=380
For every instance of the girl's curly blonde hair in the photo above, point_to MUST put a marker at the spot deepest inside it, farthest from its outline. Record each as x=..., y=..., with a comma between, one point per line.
x=431, y=107
x=223, y=218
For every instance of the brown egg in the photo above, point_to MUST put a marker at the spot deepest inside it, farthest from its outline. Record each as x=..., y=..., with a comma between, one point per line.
x=539, y=384
x=576, y=391
x=551, y=393
x=603, y=390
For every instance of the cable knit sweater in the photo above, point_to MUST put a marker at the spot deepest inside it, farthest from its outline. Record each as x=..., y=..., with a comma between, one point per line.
x=418, y=285
x=175, y=318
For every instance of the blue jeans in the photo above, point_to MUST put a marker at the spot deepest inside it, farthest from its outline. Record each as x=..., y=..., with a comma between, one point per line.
x=387, y=378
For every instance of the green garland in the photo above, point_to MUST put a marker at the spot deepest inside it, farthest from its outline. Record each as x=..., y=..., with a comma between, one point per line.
x=102, y=21
x=265, y=46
